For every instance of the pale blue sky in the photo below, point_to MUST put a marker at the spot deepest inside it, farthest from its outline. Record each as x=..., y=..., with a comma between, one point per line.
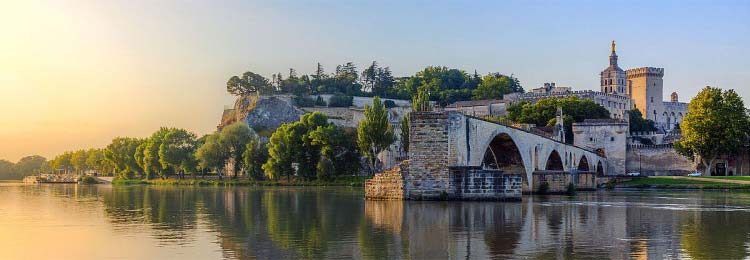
x=81, y=72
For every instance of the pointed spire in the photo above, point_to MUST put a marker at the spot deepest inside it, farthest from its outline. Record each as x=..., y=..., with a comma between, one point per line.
x=613, y=56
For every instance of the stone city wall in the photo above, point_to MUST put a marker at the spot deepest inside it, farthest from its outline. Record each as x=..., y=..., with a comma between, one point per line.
x=657, y=161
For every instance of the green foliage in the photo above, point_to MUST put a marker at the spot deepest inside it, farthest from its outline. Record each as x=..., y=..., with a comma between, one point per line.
x=151, y=164
x=542, y=113
x=405, y=133
x=88, y=180
x=211, y=155
x=716, y=124
x=495, y=85
x=233, y=140
x=374, y=133
x=305, y=143
x=255, y=155
x=340, y=101
x=421, y=101
x=177, y=151
x=7, y=170
x=639, y=124
x=442, y=84
x=304, y=101
x=247, y=84
x=338, y=149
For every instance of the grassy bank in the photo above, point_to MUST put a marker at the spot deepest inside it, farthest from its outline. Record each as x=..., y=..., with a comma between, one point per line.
x=352, y=181
x=681, y=183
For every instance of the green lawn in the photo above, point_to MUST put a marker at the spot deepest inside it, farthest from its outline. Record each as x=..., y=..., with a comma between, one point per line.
x=669, y=183
x=737, y=178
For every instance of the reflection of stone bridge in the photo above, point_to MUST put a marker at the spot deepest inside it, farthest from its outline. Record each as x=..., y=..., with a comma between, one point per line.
x=455, y=156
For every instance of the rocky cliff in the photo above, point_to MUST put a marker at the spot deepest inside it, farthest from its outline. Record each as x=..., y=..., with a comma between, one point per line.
x=262, y=113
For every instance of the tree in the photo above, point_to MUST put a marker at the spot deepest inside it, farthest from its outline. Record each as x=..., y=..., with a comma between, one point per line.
x=121, y=153
x=405, y=134
x=95, y=160
x=177, y=151
x=494, y=86
x=7, y=170
x=421, y=101
x=255, y=155
x=233, y=140
x=282, y=148
x=374, y=133
x=151, y=164
x=62, y=162
x=78, y=161
x=305, y=143
x=543, y=112
x=716, y=124
x=639, y=124
x=211, y=155
x=29, y=165
x=249, y=83
x=338, y=151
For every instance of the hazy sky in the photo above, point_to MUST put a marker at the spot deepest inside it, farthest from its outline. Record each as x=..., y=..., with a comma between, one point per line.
x=74, y=74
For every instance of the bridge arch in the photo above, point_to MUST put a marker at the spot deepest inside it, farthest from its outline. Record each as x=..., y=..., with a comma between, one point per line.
x=554, y=162
x=583, y=164
x=502, y=153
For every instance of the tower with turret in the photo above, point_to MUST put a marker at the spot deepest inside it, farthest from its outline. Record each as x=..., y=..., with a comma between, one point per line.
x=613, y=78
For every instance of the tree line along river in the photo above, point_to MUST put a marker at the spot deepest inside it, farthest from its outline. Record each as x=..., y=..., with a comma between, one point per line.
x=191, y=222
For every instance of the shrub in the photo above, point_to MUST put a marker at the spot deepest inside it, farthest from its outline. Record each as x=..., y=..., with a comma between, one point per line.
x=340, y=101
x=88, y=180
x=304, y=101
x=389, y=104
x=543, y=188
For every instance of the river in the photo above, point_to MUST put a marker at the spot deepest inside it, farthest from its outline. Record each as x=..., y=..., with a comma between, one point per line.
x=63, y=221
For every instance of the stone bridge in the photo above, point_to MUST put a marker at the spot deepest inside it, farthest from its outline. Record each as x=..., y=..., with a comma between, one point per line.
x=441, y=142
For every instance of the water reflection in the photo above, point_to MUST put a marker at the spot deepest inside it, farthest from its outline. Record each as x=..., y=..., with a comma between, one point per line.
x=318, y=223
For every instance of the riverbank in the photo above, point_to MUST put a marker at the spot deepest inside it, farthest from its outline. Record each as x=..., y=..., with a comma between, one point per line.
x=349, y=181
x=682, y=182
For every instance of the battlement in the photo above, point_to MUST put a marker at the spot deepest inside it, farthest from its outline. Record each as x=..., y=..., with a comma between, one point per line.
x=645, y=71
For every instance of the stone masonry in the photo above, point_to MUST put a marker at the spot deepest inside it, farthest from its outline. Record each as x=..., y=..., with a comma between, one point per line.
x=429, y=159
x=388, y=185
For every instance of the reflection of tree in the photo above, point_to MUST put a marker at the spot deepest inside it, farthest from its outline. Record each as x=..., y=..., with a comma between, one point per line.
x=169, y=210
x=306, y=221
x=716, y=235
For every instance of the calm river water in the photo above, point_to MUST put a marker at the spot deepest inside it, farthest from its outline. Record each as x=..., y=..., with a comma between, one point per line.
x=142, y=222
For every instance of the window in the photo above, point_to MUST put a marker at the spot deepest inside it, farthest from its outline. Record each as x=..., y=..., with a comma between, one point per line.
x=612, y=139
x=652, y=99
x=591, y=139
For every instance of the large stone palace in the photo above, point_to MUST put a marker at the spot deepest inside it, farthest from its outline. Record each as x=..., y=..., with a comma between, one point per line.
x=620, y=92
